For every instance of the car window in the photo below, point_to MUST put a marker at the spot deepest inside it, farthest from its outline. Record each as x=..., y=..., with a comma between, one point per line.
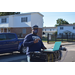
x=10, y=36
x=2, y=37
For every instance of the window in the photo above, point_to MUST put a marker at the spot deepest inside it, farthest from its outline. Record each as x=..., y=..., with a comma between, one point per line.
x=73, y=33
x=45, y=29
x=24, y=31
x=53, y=29
x=50, y=29
x=24, y=19
x=10, y=36
x=2, y=37
x=60, y=33
x=3, y=20
x=61, y=28
x=73, y=27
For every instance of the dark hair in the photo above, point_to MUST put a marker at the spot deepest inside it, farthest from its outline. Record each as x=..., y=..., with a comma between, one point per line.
x=35, y=26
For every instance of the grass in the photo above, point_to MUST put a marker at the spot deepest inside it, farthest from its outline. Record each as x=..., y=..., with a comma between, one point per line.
x=44, y=39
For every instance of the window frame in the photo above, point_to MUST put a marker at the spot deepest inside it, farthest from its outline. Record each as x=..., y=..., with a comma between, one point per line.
x=50, y=29
x=23, y=30
x=61, y=28
x=3, y=20
x=60, y=33
x=73, y=33
x=24, y=19
x=74, y=27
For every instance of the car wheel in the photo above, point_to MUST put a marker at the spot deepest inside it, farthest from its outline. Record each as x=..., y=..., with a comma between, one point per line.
x=23, y=50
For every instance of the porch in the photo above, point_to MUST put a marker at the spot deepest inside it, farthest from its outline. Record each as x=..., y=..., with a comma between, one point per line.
x=5, y=30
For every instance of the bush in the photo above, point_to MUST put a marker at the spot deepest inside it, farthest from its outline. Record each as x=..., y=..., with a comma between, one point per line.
x=55, y=33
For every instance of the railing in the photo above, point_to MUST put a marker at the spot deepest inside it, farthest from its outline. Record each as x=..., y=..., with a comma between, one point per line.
x=68, y=38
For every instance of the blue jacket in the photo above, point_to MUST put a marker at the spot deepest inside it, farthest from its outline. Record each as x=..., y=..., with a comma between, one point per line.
x=29, y=43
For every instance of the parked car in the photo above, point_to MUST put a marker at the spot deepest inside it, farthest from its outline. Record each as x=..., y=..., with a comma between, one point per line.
x=9, y=42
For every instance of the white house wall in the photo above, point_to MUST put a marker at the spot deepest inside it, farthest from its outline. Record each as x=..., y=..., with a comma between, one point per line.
x=47, y=29
x=17, y=21
x=37, y=19
x=50, y=29
x=4, y=25
x=69, y=28
x=10, y=21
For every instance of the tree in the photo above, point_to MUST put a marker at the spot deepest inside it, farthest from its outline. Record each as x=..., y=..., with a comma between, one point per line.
x=60, y=22
x=8, y=13
x=73, y=23
x=0, y=13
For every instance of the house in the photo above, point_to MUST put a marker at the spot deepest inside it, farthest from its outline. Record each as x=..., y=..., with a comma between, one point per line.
x=21, y=24
x=66, y=29
x=50, y=30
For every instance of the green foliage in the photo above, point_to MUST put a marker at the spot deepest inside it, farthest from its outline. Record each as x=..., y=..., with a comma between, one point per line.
x=8, y=13
x=56, y=25
x=73, y=23
x=60, y=22
x=55, y=33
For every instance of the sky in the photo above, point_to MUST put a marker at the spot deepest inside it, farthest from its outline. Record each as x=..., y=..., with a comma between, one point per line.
x=51, y=17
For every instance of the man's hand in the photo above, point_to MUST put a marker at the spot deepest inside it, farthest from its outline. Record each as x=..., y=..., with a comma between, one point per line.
x=44, y=48
x=36, y=40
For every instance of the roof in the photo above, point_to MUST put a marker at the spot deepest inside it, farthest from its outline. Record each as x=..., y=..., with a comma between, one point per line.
x=67, y=25
x=49, y=27
x=38, y=13
x=67, y=31
x=23, y=14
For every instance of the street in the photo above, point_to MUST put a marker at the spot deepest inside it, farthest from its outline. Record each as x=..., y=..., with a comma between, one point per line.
x=12, y=57
x=17, y=57
x=70, y=57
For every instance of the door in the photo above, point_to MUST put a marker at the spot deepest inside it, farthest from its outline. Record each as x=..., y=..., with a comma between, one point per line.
x=5, y=30
x=12, y=42
x=1, y=29
x=3, y=43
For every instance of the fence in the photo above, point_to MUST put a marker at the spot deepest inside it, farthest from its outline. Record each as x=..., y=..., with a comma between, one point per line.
x=68, y=38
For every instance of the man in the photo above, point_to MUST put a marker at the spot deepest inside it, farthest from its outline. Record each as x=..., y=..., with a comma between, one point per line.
x=33, y=42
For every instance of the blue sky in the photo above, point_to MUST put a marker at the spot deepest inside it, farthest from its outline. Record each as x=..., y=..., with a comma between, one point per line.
x=51, y=17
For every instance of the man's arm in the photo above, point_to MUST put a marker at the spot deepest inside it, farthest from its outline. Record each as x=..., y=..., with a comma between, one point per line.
x=42, y=45
x=26, y=41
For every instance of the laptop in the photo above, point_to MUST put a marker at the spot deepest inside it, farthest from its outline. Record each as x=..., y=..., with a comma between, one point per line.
x=56, y=47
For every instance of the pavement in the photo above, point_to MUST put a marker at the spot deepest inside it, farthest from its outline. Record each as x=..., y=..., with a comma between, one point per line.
x=70, y=46
x=17, y=57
